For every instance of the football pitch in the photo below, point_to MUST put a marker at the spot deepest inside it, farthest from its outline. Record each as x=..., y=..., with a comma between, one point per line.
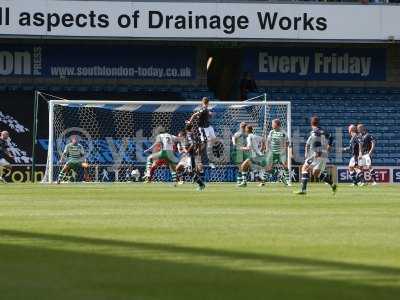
x=138, y=242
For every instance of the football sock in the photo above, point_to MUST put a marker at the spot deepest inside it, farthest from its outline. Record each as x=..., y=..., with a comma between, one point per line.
x=173, y=175
x=304, y=181
x=373, y=175
x=148, y=166
x=265, y=176
x=360, y=176
x=353, y=176
x=325, y=178
x=244, y=177
x=202, y=176
x=239, y=177
x=286, y=175
x=197, y=179
x=61, y=176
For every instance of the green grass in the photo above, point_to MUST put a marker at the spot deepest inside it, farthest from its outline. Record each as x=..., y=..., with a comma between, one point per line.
x=138, y=242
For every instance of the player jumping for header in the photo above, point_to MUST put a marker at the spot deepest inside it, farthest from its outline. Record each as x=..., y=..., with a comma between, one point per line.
x=206, y=131
x=316, y=156
x=74, y=154
x=166, y=141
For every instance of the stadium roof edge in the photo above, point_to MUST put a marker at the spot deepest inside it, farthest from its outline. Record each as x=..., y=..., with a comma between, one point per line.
x=193, y=39
x=243, y=1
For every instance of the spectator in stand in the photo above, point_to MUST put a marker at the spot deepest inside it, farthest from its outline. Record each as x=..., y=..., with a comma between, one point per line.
x=247, y=84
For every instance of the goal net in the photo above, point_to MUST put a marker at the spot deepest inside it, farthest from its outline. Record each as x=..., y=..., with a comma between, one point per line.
x=114, y=135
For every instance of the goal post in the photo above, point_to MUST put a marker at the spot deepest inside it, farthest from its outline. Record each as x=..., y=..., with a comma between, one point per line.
x=115, y=134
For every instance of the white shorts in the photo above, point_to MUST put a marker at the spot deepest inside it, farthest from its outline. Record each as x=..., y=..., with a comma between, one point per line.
x=317, y=163
x=207, y=133
x=353, y=162
x=365, y=161
x=185, y=161
x=4, y=163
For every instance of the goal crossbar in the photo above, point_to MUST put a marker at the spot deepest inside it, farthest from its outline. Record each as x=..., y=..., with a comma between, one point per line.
x=125, y=102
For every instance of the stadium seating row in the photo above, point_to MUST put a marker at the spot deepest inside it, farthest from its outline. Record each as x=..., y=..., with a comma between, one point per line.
x=329, y=90
x=382, y=120
x=184, y=92
x=377, y=108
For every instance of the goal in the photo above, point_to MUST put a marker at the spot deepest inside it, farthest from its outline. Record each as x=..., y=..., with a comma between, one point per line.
x=115, y=134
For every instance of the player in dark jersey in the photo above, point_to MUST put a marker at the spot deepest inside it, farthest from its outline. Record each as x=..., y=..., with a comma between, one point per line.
x=5, y=155
x=190, y=162
x=316, y=156
x=366, y=148
x=206, y=131
x=354, y=169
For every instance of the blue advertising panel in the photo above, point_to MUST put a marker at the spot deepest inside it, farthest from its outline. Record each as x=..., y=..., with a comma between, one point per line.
x=396, y=175
x=343, y=175
x=98, y=61
x=309, y=63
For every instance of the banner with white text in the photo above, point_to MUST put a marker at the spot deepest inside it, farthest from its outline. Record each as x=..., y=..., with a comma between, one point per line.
x=310, y=63
x=384, y=174
x=98, y=61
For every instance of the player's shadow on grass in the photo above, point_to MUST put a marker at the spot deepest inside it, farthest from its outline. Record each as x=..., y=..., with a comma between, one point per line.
x=34, y=272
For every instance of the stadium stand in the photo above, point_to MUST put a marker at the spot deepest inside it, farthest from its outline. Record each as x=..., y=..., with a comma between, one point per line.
x=373, y=100
x=377, y=108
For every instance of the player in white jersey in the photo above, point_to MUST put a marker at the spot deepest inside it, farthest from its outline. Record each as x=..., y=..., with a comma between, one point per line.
x=239, y=156
x=277, y=147
x=5, y=155
x=74, y=156
x=166, y=142
x=184, y=146
x=184, y=159
x=255, y=147
x=316, y=156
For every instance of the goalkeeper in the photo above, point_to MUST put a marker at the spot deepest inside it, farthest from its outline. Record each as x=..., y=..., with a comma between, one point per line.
x=277, y=145
x=74, y=154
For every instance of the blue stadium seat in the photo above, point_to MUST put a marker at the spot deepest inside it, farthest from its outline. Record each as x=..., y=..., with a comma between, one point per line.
x=28, y=88
x=123, y=89
x=70, y=88
x=377, y=108
x=56, y=88
x=97, y=88
x=82, y=88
